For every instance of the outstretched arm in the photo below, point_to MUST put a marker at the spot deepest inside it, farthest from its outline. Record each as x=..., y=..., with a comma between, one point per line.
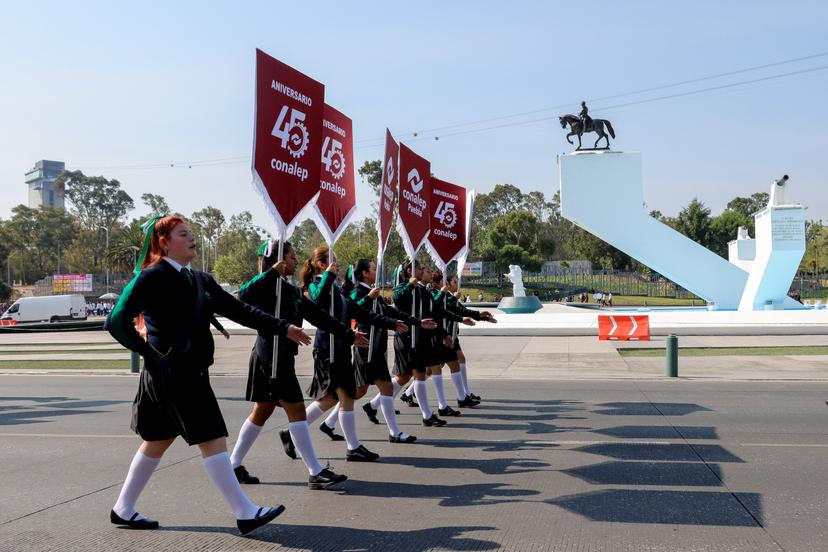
x=121, y=321
x=246, y=315
x=311, y=312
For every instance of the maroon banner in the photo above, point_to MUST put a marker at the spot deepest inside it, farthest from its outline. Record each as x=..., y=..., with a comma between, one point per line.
x=336, y=202
x=287, y=138
x=388, y=193
x=415, y=176
x=447, y=208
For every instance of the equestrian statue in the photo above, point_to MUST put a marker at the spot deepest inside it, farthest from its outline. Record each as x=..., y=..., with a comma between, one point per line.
x=582, y=123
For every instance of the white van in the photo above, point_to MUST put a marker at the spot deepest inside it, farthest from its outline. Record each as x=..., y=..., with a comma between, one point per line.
x=50, y=308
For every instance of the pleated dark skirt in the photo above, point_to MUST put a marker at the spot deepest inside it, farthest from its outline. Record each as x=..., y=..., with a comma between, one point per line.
x=328, y=378
x=260, y=386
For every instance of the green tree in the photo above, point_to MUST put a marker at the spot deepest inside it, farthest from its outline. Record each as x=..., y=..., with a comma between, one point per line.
x=723, y=229
x=156, y=203
x=694, y=222
x=371, y=172
x=125, y=246
x=815, y=260
x=96, y=201
x=210, y=226
x=38, y=239
x=238, y=265
x=515, y=228
x=747, y=206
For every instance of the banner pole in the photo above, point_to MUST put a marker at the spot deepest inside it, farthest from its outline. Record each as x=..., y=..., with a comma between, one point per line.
x=371, y=331
x=331, y=336
x=275, y=360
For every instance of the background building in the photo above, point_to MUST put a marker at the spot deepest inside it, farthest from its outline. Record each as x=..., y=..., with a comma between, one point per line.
x=41, y=180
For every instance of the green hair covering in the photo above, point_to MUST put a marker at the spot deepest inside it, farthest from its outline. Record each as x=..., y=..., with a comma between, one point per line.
x=147, y=228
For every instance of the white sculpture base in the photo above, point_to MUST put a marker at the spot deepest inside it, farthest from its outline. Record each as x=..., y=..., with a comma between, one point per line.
x=780, y=245
x=585, y=176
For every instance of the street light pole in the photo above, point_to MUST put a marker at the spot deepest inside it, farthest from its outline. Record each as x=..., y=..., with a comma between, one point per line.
x=106, y=259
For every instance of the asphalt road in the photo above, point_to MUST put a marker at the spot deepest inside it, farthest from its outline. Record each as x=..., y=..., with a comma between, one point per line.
x=541, y=465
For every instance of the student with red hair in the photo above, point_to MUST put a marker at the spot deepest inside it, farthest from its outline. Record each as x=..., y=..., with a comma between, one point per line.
x=175, y=304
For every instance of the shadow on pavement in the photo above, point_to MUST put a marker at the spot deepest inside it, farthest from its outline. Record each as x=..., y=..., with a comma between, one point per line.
x=660, y=432
x=680, y=474
x=664, y=507
x=649, y=409
x=319, y=537
x=495, y=466
x=678, y=452
x=488, y=446
x=50, y=407
x=476, y=494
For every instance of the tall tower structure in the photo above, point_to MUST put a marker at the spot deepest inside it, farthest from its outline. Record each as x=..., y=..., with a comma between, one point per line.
x=41, y=181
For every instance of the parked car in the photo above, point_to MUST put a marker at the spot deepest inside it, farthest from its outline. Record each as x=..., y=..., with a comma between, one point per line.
x=50, y=308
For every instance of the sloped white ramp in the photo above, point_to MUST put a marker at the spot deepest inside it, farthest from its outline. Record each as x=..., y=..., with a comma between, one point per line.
x=602, y=193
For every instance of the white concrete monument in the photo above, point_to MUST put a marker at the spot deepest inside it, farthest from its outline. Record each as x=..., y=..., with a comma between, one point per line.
x=780, y=246
x=587, y=179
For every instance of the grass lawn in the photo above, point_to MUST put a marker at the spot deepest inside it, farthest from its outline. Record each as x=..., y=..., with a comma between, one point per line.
x=98, y=364
x=119, y=350
x=727, y=351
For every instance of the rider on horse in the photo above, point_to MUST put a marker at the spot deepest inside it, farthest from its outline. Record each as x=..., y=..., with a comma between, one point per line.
x=586, y=120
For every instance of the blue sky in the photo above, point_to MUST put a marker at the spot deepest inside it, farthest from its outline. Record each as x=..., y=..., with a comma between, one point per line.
x=107, y=86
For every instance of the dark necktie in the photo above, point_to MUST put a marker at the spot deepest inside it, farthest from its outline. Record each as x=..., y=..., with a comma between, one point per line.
x=186, y=272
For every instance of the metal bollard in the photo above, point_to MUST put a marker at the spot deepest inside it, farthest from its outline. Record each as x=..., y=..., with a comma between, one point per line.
x=134, y=362
x=672, y=356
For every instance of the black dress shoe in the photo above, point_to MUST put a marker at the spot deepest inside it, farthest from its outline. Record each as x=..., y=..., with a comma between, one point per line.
x=409, y=400
x=397, y=412
x=448, y=411
x=434, y=421
x=263, y=517
x=244, y=477
x=325, y=479
x=133, y=523
x=287, y=443
x=361, y=454
x=468, y=402
x=370, y=412
x=323, y=427
x=400, y=439
x=475, y=397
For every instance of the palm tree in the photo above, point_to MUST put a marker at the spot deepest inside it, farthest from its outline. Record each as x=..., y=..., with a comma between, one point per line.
x=124, y=246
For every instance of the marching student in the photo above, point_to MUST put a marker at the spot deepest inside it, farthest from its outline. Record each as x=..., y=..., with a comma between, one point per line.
x=416, y=351
x=174, y=397
x=337, y=381
x=358, y=284
x=265, y=392
x=448, y=295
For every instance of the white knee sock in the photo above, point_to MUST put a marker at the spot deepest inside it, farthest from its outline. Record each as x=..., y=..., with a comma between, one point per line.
x=387, y=404
x=348, y=423
x=313, y=412
x=421, y=392
x=437, y=380
x=375, y=402
x=247, y=436
x=409, y=391
x=140, y=471
x=333, y=417
x=465, y=378
x=300, y=434
x=221, y=474
x=459, y=388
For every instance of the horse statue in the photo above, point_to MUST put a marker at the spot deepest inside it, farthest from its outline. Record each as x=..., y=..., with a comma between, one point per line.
x=594, y=125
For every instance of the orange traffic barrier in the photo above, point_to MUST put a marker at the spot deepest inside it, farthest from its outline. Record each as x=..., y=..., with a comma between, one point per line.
x=624, y=327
